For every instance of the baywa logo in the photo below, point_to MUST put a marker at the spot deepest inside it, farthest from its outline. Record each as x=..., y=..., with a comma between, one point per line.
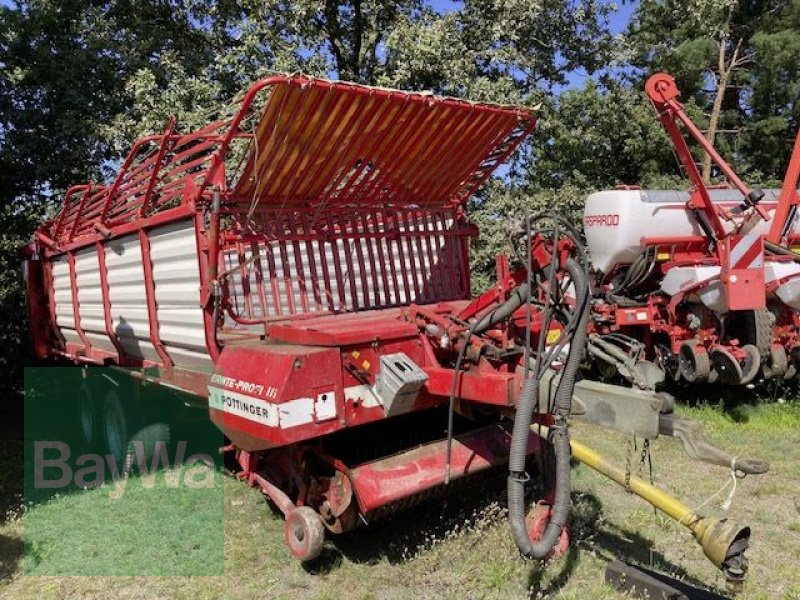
x=56, y=466
x=122, y=477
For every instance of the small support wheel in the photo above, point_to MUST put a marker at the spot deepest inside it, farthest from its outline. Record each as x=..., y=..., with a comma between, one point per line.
x=304, y=533
x=536, y=521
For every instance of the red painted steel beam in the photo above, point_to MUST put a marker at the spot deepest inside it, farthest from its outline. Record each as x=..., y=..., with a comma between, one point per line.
x=73, y=281
x=106, y=298
x=788, y=198
x=152, y=306
x=483, y=386
x=51, y=300
x=162, y=150
x=209, y=316
x=387, y=481
x=663, y=93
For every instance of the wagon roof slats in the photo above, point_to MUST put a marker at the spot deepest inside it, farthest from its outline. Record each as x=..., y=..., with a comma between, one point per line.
x=319, y=141
x=293, y=141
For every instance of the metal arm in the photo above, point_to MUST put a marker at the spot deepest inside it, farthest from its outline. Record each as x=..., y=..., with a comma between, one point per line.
x=663, y=93
x=788, y=200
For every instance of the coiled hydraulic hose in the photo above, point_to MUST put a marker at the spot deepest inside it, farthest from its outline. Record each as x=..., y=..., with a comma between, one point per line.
x=499, y=314
x=559, y=434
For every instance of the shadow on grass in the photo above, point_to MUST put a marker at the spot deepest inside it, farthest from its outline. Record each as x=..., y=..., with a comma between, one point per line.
x=11, y=551
x=403, y=536
x=610, y=541
x=11, y=454
x=536, y=584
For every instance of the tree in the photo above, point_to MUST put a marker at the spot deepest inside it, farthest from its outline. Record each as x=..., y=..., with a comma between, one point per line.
x=601, y=135
x=737, y=60
x=498, y=50
x=80, y=79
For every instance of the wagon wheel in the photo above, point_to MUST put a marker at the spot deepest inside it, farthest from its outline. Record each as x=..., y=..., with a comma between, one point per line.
x=125, y=427
x=90, y=416
x=303, y=533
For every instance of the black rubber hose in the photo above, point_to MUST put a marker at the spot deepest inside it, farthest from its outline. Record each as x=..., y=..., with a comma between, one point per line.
x=559, y=436
x=502, y=312
x=499, y=314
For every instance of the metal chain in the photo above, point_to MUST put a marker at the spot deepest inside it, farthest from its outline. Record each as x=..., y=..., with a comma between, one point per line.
x=628, y=455
x=646, y=454
x=642, y=458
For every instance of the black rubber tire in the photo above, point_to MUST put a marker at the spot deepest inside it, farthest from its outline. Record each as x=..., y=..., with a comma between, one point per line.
x=124, y=429
x=695, y=367
x=777, y=363
x=752, y=364
x=763, y=323
x=727, y=367
x=90, y=416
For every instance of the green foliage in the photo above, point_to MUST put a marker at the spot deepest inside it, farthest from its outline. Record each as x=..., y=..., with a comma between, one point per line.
x=498, y=50
x=760, y=112
x=80, y=80
x=598, y=136
x=500, y=208
x=16, y=223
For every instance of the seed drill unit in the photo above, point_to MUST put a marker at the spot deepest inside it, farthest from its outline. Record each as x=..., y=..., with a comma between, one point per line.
x=300, y=267
x=699, y=286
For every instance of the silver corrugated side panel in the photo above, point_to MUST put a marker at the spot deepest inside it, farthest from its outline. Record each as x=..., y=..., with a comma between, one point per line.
x=176, y=275
x=127, y=295
x=90, y=299
x=62, y=292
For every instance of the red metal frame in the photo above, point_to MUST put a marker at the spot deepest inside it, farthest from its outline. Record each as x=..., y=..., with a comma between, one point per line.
x=370, y=147
x=76, y=311
x=663, y=93
x=122, y=358
x=788, y=199
x=728, y=244
x=152, y=308
x=360, y=191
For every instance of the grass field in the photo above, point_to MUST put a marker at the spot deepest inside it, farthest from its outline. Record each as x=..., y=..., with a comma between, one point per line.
x=462, y=548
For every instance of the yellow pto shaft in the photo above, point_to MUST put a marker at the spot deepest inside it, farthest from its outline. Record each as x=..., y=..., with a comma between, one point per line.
x=723, y=541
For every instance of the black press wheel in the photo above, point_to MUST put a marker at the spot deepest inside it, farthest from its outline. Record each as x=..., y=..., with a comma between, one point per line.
x=777, y=364
x=694, y=365
x=729, y=369
x=752, y=363
x=304, y=533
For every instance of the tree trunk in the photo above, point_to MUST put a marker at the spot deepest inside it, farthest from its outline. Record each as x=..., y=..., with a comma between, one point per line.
x=713, y=122
x=716, y=110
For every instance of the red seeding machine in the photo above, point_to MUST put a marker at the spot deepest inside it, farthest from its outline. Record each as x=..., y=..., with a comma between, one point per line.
x=300, y=268
x=702, y=286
